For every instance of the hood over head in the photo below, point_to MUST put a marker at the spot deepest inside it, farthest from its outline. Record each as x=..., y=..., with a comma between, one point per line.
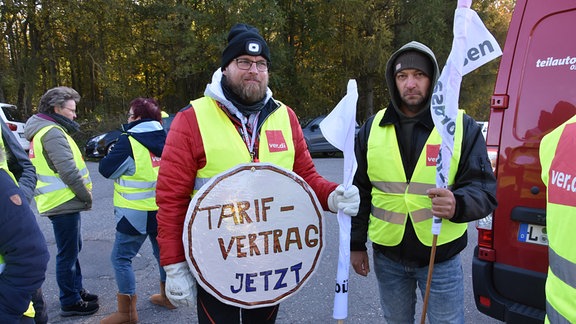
x=413, y=55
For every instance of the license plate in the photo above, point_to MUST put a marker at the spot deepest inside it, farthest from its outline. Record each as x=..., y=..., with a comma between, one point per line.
x=534, y=234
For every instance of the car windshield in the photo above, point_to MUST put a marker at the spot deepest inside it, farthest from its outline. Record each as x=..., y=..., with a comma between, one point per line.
x=13, y=114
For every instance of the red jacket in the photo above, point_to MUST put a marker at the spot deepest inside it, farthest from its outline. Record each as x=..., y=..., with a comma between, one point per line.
x=183, y=155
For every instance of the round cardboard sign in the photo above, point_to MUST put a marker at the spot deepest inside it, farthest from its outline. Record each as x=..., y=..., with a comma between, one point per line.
x=254, y=235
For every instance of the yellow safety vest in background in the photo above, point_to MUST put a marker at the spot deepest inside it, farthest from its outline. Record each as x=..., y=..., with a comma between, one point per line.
x=138, y=191
x=51, y=191
x=4, y=163
x=220, y=138
x=559, y=176
x=393, y=198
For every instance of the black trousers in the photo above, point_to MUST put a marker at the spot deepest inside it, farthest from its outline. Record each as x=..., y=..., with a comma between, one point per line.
x=213, y=311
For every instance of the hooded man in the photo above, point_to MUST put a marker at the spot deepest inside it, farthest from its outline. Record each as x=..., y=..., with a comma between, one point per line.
x=396, y=152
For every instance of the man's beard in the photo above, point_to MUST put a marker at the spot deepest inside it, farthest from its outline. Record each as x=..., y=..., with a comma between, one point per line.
x=249, y=93
x=415, y=106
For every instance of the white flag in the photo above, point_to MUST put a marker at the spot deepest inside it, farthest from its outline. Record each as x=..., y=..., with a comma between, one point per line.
x=473, y=46
x=339, y=129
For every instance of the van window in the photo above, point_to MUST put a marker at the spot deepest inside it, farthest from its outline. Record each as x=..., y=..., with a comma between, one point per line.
x=549, y=68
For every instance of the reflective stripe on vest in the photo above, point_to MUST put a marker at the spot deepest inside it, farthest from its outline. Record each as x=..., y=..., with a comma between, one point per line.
x=560, y=289
x=559, y=175
x=138, y=191
x=51, y=191
x=221, y=138
x=393, y=198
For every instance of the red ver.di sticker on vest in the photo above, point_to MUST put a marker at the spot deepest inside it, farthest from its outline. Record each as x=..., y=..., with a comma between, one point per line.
x=562, y=174
x=276, y=141
x=432, y=152
x=155, y=160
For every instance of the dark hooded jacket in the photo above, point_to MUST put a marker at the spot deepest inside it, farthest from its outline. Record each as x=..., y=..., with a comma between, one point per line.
x=23, y=248
x=474, y=186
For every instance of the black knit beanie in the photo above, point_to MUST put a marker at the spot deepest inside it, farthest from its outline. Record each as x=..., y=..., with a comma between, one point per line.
x=414, y=60
x=244, y=39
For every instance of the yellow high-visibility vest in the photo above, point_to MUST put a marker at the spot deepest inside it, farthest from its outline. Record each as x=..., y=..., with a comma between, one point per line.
x=225, y=148
x=4, y=162
x=394, y=199
x=138, y=191
x=559, y=176
x=51, y=191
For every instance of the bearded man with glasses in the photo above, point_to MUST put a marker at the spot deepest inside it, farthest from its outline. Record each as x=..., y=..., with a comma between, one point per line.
x=216, y=133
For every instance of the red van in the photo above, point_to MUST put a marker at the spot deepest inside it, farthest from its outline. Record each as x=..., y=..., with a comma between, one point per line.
x=535, y=91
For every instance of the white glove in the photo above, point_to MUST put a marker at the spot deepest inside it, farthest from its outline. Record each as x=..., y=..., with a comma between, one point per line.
x=180, y=285
x=346, y=199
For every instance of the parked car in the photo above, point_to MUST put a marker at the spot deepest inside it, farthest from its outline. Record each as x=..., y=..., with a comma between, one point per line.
x=100, y=145
x=315, y=140
x=15, y=121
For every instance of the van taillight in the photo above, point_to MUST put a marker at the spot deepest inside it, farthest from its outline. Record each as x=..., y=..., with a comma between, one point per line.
x=485, y=239
x=12, y=126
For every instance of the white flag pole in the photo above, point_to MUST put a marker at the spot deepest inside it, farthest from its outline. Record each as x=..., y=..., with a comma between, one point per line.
x=339, y=129
x=451, y=78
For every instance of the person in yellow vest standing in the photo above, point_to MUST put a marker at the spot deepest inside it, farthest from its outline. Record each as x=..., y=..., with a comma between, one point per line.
x=19, y=165
x=133, y=163
x=64, y=189
x=23, y=251
x=396, y=152
x=237, y=121
x=559, y=176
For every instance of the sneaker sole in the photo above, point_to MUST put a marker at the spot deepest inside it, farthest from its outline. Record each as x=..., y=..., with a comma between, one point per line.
x=77, y=313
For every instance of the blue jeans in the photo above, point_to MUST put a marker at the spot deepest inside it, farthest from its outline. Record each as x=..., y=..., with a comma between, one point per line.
x=397, y=285
x=125, y=249
x=69, y=243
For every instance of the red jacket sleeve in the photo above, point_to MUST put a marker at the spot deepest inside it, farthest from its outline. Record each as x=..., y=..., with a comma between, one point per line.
x=183, y=155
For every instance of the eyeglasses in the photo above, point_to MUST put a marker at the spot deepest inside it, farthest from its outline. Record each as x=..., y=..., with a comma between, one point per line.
x=128, y=115
x=71, y=109
x=243, y=64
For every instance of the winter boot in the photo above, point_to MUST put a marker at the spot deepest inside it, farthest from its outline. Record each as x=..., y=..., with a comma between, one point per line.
x=161, y=299
x=126, y=313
